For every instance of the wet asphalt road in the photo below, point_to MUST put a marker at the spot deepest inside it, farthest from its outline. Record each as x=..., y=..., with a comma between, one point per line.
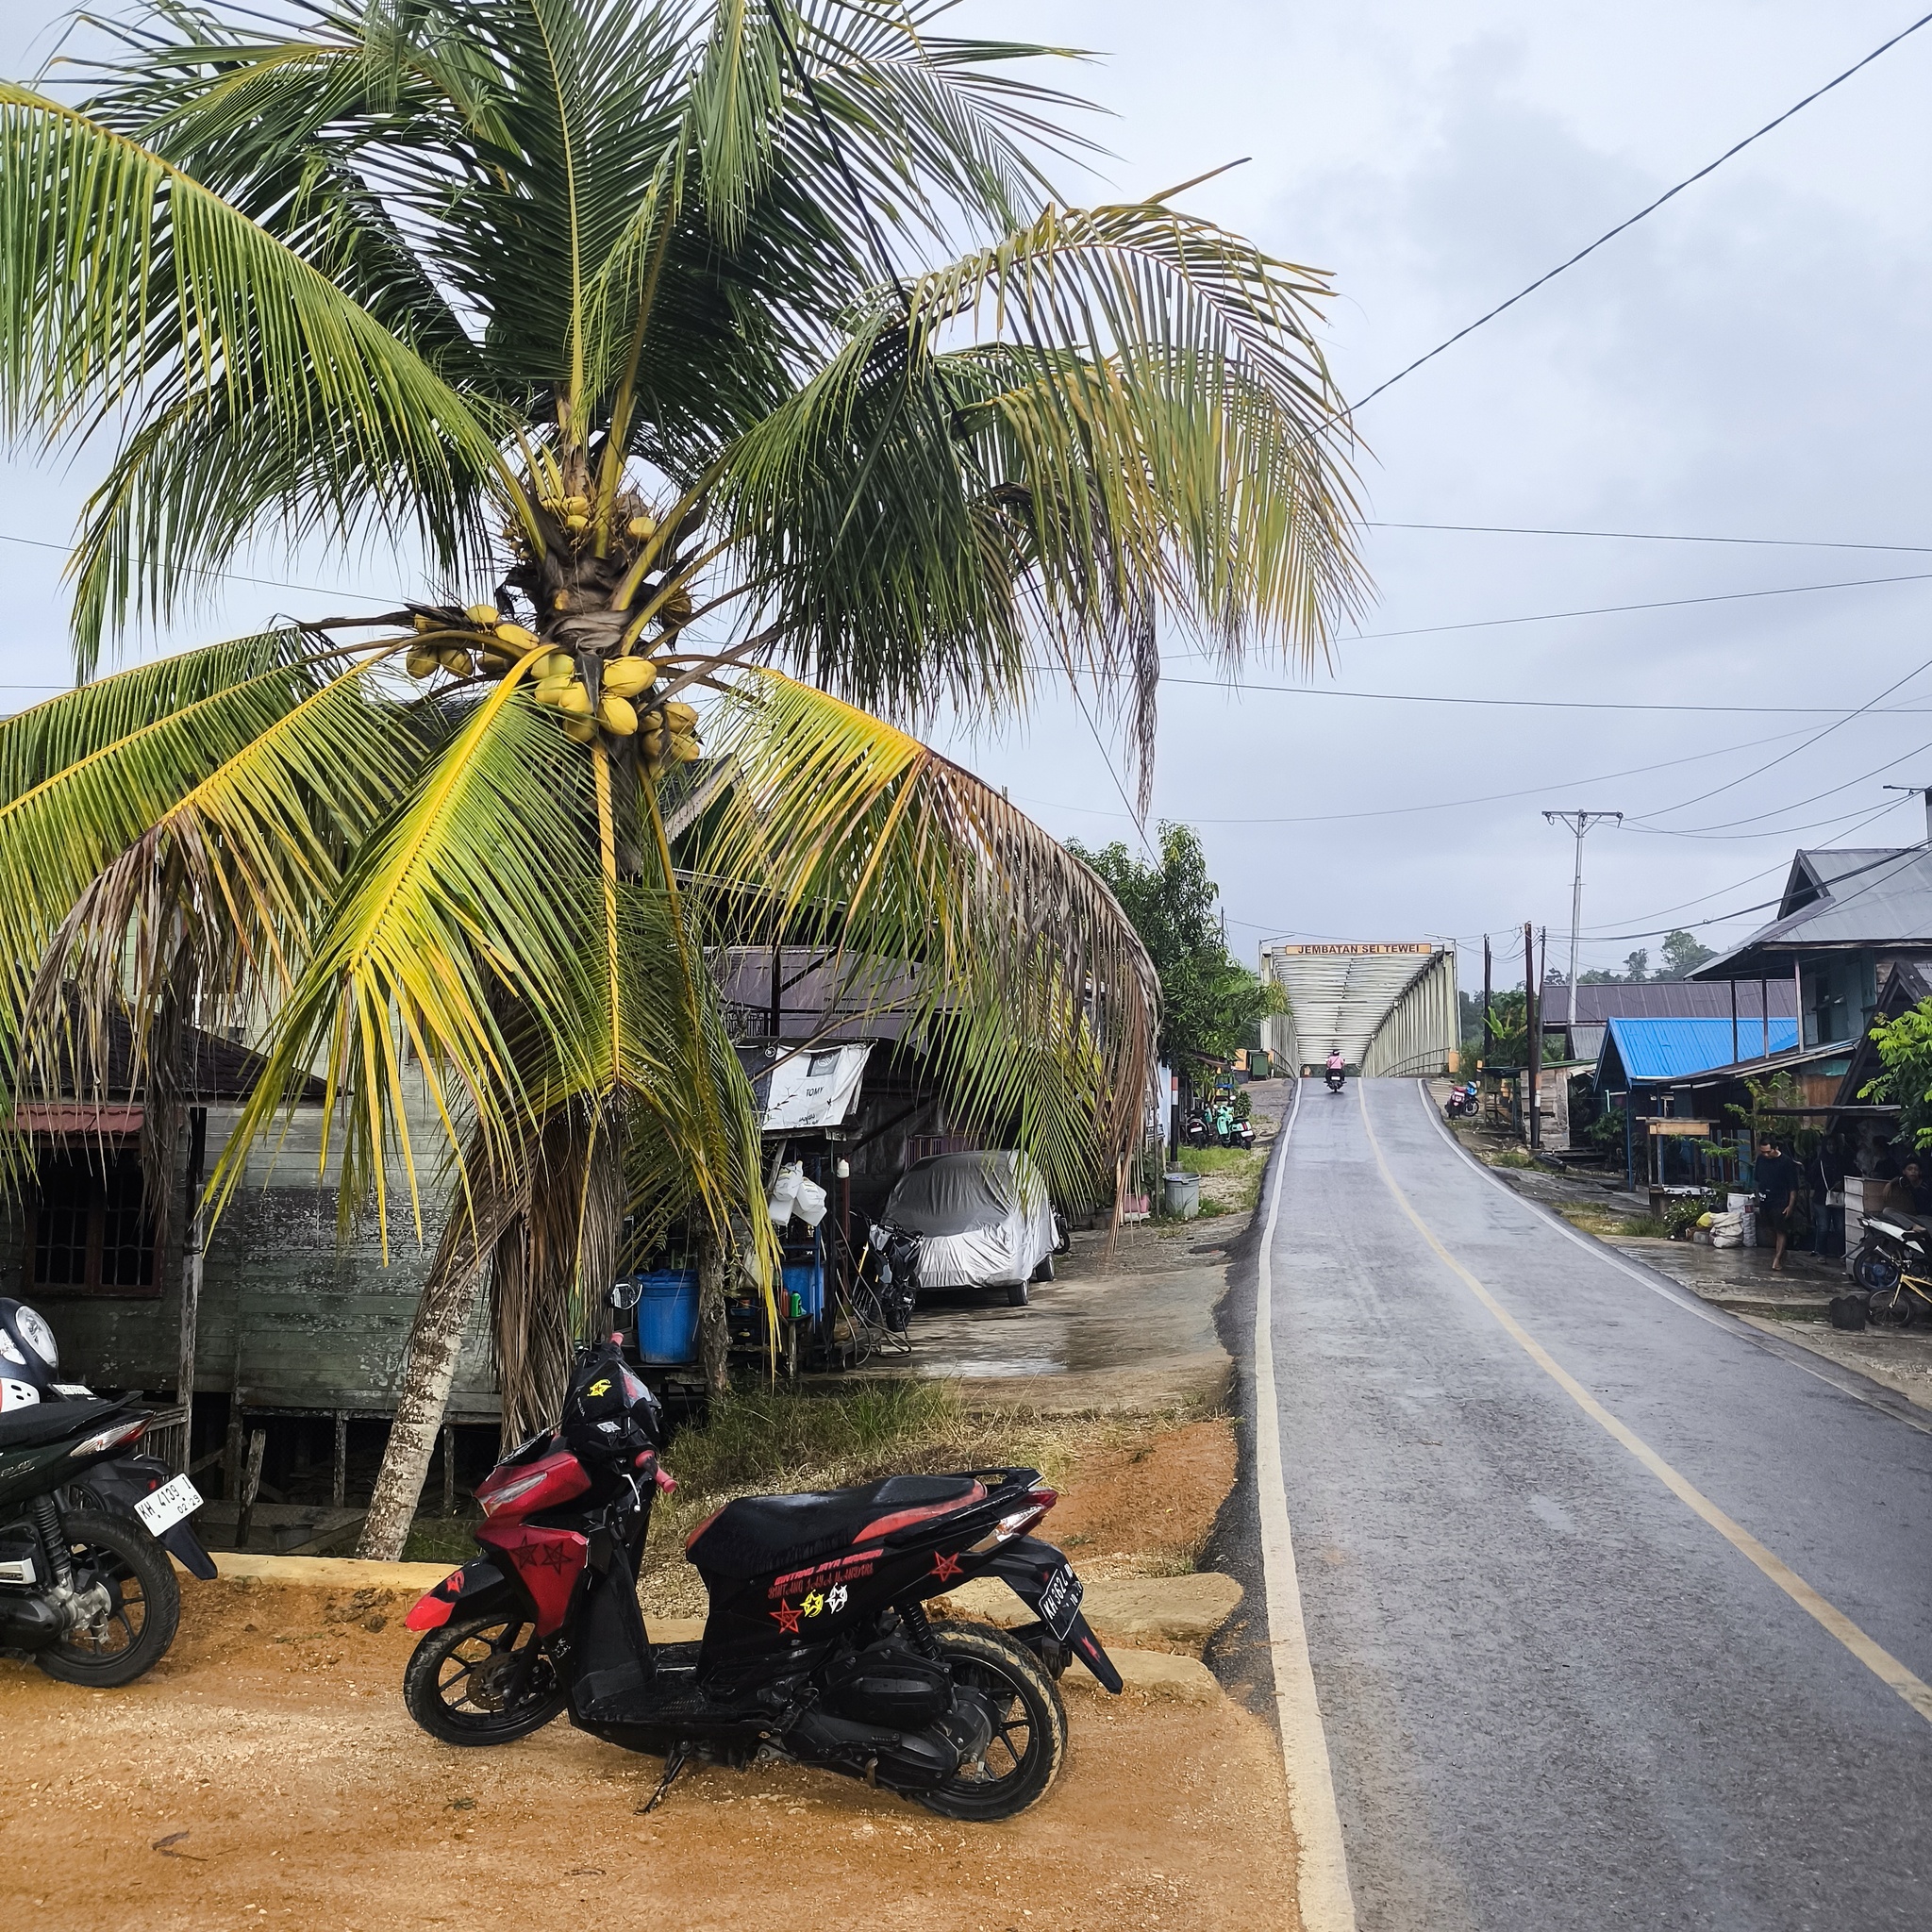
x=1554, y=1695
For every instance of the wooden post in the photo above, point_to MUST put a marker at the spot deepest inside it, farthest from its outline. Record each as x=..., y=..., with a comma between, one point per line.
x=339, y=1485
x=192, y=1245
x=251, y=1487
x=449, y=1469
x=714, y=1327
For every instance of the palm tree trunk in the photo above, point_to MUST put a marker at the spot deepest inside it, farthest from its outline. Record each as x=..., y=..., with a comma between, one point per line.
x=714, y=1331
x=436, y=1339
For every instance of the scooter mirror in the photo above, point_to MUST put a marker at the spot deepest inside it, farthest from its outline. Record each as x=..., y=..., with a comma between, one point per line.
x=625, y=1295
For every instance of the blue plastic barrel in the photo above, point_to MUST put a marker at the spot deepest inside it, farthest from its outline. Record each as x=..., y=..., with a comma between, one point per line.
x=806, y=1279
x=668, y=1316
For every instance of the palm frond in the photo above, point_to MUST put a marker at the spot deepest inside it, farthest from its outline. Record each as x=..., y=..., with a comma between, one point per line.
x=1037, y=997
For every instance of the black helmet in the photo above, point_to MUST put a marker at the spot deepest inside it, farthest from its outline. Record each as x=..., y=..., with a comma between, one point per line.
x=29, y=1356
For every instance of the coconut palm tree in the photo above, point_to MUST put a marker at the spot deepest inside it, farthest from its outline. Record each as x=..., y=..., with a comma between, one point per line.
x=746, y=399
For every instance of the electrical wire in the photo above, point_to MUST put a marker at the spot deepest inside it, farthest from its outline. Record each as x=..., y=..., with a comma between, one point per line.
x=201, y=571
x=1659, y=537
x=1405, y=811
x=1611, y=234
x=1731, y=784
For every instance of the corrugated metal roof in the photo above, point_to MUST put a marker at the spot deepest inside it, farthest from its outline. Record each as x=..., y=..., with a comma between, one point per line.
x=1854, y=897
x=1342, y=993
x=1665, y=999
x=1670, y=1049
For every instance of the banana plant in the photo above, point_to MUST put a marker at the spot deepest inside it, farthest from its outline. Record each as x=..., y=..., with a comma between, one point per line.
x=738, y=398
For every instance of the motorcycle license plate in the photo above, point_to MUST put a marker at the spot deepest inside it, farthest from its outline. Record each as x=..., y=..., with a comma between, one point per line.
x=1060, y=1602
x=168, y=1504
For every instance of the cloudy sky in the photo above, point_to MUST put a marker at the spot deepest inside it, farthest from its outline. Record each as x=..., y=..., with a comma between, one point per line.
x=1748, y=363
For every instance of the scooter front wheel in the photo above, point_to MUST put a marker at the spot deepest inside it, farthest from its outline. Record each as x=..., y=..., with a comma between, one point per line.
x=484, y=1681
x=1028, y=1725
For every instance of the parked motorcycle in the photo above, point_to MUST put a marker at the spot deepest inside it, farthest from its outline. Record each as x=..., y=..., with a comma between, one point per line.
x=1195, y=1132
x=129, y=1485
x=1892, y=1264
x=87, y=1595
x=1461, y=1104
x=1241, y=1135
x=817, y=1648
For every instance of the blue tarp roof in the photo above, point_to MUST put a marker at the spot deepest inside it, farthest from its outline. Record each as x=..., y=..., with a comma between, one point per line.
x=1673, y=1049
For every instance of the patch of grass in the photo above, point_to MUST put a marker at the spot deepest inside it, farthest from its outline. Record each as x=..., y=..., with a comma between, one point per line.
x=1606, y=1222
x=442, y=1539
x=1230, y=1176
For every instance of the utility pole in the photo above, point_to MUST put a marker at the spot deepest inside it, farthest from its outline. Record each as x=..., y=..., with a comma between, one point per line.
x=1579, y=822
x=1489, y=1024
x=1532, y=1020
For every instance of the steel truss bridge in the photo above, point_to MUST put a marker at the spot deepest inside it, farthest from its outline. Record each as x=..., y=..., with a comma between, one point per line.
x=1389, y=1007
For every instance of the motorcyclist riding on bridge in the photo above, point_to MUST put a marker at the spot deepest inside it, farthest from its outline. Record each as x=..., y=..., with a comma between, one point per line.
x=1337, y=1070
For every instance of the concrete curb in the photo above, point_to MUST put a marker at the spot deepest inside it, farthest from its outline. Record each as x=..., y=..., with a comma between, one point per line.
x=1152, y=1610
x=1151, y=1673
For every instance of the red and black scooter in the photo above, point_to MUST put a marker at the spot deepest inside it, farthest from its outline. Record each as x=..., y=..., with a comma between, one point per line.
x=817, y=1648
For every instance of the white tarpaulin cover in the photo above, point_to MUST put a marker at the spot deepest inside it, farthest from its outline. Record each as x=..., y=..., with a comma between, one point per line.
x=812, y=1089
x=983, y=1219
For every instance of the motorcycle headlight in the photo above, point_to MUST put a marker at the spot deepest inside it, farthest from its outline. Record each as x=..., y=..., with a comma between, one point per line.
x=37, y=1336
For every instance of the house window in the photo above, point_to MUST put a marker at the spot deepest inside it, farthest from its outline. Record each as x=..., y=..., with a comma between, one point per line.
x=91, y=1231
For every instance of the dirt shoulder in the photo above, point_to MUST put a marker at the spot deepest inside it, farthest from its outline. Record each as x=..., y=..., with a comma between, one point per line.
x=267, y=1773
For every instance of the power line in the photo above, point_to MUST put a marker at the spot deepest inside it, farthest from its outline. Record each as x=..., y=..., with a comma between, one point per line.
x=1731, y=784
x=1611, y=235
x=1442, y=804
x=1617, y=610
x=1725, y=826
x=1403, y=697
x=201, y=571
x=1658, y=537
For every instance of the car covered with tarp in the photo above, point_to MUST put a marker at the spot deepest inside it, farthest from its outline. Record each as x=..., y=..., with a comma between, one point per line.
x=981, y=1220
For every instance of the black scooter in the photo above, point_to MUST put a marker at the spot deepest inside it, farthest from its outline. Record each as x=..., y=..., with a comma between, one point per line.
x=87, y=1595
x=137, y=1487
x=1336, y=1076
x=817, y=1649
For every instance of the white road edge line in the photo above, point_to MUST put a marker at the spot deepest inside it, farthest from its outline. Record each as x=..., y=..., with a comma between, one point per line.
x=1679, y=1297
x=1890, y=1672
x=1321, y=1886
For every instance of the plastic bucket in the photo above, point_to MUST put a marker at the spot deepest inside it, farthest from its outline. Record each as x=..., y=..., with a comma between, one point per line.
x=668, y=1316
x=1180, y=1193
x=806, y=1279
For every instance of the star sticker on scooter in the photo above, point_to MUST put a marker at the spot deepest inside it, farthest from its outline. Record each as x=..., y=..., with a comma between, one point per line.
x=786, y=1616
x=945, y=1567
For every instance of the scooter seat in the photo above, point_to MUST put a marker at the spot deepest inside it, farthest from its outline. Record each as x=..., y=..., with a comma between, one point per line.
x=761, y=1533
x=50, y=1422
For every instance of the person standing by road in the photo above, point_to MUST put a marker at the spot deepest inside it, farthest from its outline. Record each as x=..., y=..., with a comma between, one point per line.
x=1778, y=1180
x=1824, y=1174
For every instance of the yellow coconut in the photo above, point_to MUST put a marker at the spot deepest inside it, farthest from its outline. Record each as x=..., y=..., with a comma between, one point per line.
x=577, y=506
x=675, y=609
x=558, y=664
x=617, y=717
x=515, y=634
x=456, y=661
x=582, y=729
x=423, y=664
x=624, y=677
x=683, y=750
x=642, y=527
x=485, y=614
x=423, y=623
x=575, y=699
x=546, y=691
x=680, y=716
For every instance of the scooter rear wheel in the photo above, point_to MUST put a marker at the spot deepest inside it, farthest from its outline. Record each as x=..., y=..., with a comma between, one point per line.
x=116, y=1554
x=1030, y=1725
x=483, y=1681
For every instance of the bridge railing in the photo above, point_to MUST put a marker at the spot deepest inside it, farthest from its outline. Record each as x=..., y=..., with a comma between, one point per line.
x=1422, y=1027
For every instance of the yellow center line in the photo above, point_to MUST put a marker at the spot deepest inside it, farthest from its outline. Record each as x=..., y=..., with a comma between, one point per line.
x=1869, y=1652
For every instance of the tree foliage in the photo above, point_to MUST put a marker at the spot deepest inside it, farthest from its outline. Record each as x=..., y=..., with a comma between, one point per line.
x=1904, y=1047
x=1209, y=1002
